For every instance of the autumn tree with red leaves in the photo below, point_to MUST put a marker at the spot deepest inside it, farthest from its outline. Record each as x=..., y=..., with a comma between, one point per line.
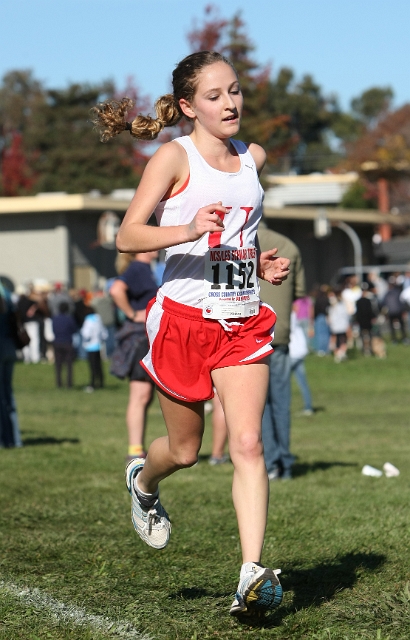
x=16, y=177
x=48, y=142
x=289, y=119
x=229, y=37
x=383, y=153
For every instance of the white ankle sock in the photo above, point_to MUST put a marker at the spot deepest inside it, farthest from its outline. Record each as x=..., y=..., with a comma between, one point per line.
x=148, y=499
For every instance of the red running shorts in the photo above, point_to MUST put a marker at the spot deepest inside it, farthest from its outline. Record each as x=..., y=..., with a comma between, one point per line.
x=185, y=347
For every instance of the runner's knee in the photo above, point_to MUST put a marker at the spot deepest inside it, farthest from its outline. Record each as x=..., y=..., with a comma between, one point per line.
x=185, y=457
x=246, y=446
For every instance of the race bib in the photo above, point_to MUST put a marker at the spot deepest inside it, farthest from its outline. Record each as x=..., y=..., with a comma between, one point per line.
x=230, y=287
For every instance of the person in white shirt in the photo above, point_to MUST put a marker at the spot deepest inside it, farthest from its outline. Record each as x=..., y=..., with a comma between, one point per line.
x=298, y=350
x=339, y=324
x=93, y=333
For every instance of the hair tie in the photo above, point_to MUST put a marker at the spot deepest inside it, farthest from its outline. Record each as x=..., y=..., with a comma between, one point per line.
x=128, y=126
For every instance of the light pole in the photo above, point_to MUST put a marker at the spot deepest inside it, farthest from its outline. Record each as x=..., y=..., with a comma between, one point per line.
x=357, y=248
x=322, y=229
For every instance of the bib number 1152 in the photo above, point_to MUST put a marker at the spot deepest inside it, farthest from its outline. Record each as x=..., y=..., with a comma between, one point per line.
x=230, y=285
x=233, y=275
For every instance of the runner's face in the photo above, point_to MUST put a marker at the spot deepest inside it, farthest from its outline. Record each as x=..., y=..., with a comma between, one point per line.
x=217, y=104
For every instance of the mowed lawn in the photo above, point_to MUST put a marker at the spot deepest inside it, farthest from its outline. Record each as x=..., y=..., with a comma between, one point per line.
x=71, y=565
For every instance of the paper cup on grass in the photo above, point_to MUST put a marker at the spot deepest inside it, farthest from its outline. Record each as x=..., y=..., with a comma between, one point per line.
x=371, y=471
x=390, y=470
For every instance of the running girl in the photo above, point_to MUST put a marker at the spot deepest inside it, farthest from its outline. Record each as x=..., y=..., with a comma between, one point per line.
x=206, y=326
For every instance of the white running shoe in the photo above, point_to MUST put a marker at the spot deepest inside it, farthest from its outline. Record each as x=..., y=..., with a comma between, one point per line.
x=259, y=590
x=151, y=523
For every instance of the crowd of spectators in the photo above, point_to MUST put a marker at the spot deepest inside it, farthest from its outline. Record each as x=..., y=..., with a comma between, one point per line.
x=67, y=324
x=360, y=314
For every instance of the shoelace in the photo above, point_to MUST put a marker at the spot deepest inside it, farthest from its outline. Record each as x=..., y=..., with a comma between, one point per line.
x=153, y=518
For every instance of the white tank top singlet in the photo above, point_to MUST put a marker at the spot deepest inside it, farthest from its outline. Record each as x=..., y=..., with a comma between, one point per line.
x=183, y=279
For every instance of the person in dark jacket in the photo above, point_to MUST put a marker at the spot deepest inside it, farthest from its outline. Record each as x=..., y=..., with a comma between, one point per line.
x=64, y=327
x=9, y=426
x=131, y=292
x=365, y=317
x=394, y=309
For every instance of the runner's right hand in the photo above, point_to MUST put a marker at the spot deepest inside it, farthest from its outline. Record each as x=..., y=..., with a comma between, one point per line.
x=206, y=220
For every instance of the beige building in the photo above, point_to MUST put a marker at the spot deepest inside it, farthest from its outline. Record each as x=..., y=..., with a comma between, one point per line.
x=57, y=237
x=54, y=237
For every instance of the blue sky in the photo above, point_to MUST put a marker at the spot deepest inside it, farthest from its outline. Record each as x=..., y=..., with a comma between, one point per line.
x=347, y=46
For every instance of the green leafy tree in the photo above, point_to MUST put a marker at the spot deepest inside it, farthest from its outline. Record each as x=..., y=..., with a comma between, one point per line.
x=311, y=115
x=360, y=195
x=291, y=120
x=20, y=96
x=229, y=37
x=372, y=104
x=58, y=142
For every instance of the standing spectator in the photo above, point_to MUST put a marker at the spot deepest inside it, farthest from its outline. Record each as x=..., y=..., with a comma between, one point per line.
x=379, y=285
x=56, y=297
x=64, y=327
x=103, y=305
x=9, y=426
x=303, y=308
x=131, y=292
x=27, y=307
x=394, y=308
x=93, y=333
x=81, y=309
x=321, y=327
x=276, y=416
x=298, y=350
x=42, y=316
x=339, y=324
x=365, y=317
x=350, y=294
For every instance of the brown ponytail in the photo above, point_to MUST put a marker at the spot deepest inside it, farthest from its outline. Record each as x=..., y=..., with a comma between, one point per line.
x=110, y=118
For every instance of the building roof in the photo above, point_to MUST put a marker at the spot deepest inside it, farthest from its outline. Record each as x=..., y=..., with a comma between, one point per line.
x=316, y=188
x=335, y=214
x=53, y=203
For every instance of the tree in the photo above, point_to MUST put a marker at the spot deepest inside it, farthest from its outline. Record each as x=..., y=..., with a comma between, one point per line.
x=387, y=145
x=229, y=38
x=311, y=116
x=382, y=155
x=16, y=176
x=57, y=141
x=360, y=195
x=371, y=104
x=20, y=95
x=290, y=119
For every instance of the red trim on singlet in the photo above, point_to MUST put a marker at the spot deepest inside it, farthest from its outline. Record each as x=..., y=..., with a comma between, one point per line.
x=180, y=190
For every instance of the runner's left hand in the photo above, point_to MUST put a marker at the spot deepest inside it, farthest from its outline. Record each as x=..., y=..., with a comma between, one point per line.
x=272, y=268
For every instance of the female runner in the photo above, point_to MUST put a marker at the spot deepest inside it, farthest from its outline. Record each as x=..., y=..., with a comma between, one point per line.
x=206, y=326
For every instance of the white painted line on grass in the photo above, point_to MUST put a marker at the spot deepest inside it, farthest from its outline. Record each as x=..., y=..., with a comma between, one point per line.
x=68, y=613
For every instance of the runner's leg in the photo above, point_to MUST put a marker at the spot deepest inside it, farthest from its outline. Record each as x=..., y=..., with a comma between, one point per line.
x=138, y=402
x=179, y=449
x=219, y=430
x=242, y=391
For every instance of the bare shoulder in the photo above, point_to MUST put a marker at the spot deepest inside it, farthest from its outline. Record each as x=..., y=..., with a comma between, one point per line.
x=258, y=154
x=170, y=152
x=167, y=167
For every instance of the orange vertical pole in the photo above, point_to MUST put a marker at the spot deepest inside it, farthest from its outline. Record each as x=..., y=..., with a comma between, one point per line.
x=383, y=203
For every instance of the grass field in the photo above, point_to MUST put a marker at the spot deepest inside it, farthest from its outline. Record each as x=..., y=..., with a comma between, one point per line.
x=71, y=566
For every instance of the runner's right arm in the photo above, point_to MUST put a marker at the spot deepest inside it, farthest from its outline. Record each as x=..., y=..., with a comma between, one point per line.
x=167, y=168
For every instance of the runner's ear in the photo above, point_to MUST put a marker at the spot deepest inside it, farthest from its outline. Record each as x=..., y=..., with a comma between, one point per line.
x=186, y=108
